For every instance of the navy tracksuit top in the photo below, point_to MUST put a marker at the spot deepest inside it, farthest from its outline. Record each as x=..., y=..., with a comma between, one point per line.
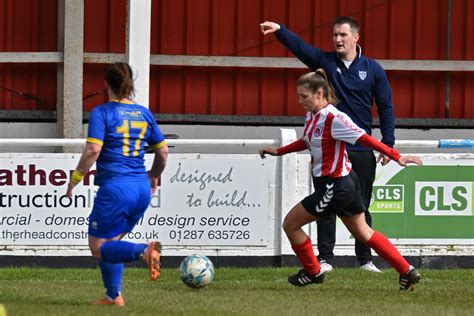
x=355, y=87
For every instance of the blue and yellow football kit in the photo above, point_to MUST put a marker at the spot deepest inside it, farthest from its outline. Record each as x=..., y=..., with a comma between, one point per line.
x=122, y=129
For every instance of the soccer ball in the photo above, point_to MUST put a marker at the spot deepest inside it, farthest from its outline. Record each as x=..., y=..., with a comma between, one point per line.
x=197, y=271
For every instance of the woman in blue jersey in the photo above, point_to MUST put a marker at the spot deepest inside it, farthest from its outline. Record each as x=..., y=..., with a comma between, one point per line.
x=117, y=134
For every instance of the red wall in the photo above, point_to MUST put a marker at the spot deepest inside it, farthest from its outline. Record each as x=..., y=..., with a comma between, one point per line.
x=397, y=29
x=27, y=26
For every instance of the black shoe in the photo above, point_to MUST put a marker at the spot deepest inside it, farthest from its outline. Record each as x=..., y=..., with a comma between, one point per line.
x=408, y=281
x=302, y=278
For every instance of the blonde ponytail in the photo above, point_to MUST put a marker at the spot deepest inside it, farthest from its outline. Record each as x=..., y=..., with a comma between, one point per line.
x=319, y=80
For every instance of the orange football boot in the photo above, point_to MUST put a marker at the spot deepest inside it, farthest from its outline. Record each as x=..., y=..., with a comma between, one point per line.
x=118, y=301
x=152, y=258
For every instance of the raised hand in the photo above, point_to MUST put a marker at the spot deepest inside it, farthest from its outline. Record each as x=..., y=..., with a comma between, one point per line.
x=269, y=27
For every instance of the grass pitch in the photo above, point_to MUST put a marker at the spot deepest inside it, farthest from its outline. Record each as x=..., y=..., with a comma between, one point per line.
x=260, y=291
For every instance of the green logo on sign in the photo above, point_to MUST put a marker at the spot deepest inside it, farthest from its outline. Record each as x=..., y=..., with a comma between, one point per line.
x=387, y=199
x=443, y=198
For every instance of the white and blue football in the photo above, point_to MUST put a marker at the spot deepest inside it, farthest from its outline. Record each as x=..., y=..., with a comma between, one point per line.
x=197, y=271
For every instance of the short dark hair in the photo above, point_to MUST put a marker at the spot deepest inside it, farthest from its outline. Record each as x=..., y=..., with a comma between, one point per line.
x=348, y=20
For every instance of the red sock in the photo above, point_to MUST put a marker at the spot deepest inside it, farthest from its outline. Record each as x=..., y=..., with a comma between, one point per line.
x=387, y=250
x=305, y=253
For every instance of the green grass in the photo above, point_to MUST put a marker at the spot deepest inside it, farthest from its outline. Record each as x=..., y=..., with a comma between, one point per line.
x=262, y=291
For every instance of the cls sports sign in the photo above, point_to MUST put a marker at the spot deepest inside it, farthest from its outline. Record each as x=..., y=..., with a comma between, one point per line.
x=431, y=201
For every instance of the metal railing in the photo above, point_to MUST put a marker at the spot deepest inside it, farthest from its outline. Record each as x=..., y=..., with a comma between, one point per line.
x=441, y=143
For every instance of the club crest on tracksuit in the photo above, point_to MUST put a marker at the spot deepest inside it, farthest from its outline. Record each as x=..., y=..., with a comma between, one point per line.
x=362, y=74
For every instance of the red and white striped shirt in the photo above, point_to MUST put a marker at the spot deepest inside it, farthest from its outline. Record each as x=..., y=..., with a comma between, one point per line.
x=326, y=134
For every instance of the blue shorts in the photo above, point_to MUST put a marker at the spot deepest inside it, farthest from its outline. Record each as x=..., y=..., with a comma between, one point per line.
x=118, y=206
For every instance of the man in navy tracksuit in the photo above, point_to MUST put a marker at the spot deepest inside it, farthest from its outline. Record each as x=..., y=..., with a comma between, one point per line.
x=358, y=80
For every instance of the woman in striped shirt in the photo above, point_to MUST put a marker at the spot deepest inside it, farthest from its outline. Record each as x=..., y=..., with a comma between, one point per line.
x=337, y=189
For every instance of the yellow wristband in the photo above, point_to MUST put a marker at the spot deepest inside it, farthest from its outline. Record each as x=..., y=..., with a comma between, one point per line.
x=77, y=176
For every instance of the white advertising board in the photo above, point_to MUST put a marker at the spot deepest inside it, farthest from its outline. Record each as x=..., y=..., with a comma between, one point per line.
x=202, y=200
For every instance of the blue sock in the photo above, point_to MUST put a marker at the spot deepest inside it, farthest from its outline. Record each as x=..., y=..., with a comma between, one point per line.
x=118, y=251
x=111, y=277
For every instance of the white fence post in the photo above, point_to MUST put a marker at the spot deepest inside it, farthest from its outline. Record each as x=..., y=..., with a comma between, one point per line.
x=287, y=192
x=138, y=46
